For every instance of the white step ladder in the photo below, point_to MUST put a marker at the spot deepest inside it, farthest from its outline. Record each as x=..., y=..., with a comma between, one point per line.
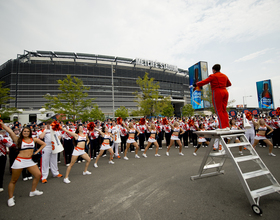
x=216, y=160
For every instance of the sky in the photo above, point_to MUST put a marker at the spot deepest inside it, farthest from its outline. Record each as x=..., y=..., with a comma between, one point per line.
x=241, y=35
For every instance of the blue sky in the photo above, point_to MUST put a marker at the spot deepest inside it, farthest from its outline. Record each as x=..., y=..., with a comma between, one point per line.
x=242, y=35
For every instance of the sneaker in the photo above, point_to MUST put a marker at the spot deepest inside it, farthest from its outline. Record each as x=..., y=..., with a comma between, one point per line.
x=245, y=148
x=240, y=152
x=25, y=179
x=59, y=175
x=278, y=146
x=119, y=157
x=160, y=148
x=136, y=156
x=194, y=154
x=35, y=193
x=104, y=155
x=167, y=153
x=59, y=161
x=44, y=181
x=1, y=189
x=157, y=155
x=91, y=158
x=79, y=161
x=126, y=158
x=142, y=149
x=68, y=164
x=144, y=155
x=195, y=146
x=272, y=154
x=181, y=154
x=86, y=173
x=186, y=146
x=11, y=201
x=275, y=146
x=95, y=165
x=83, y=161
x=30, y=178
x=111, y=162
x=66, y=180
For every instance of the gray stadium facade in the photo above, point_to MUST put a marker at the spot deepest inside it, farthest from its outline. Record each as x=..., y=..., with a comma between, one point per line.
x=33, y=74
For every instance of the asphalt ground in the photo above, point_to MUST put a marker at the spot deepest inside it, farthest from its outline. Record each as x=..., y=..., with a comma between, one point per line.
x=145, y=188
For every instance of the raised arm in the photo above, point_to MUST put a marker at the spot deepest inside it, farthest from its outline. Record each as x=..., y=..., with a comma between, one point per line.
x=70, y=133
x=9, y=130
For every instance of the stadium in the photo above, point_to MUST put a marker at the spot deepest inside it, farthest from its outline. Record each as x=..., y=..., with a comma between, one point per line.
x=33, y=74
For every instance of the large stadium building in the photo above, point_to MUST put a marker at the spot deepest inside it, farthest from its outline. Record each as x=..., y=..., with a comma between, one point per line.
x=34, y=74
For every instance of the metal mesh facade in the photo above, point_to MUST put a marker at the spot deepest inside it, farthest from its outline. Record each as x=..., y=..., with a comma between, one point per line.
x=32, y=75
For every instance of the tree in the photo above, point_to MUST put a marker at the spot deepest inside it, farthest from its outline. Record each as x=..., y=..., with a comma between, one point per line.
x=5, y=110
x=187, y=110
x=149, y=101
x=72, y=101
x=168, y=109
x=122, y=112
x=94, y=114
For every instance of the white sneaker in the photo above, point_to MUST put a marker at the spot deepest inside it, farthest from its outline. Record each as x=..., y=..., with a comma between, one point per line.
x=157, y=155
x=30, y=178
x=272, y=154
x=111, y=162
x=11, y=201
x=25, y=179
x=125, y=158
x=167, y=153
x=275, y=146
x=1, y=189
x=86, y=173
x=186, y=146
x=79, y=161
x=35, y=193
x=195, y=146
x=104, y=155
x=66, y=180
x=68, y=164
x=144, y=155
x=95, y=165
x=181, y=154
x=136, y=156
x=240, y=152
x=142, y=149
x=83, y=161
x=91, y=158
x=160, y=148
x=194, y=154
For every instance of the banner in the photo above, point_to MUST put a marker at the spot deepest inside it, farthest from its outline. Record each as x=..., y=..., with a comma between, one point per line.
x=197, y=72
x=56, y=144
x=265, y=98
x=255, y=112
x=232, y=113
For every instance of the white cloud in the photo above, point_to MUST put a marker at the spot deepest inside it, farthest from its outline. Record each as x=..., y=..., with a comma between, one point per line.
x=252, y=55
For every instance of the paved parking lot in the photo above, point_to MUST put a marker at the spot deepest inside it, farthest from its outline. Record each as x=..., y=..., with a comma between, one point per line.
x=146, y=188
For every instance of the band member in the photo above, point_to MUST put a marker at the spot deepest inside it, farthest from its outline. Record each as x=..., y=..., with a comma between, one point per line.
x=80, y=140
x=48, y=159
x=175, y=137
x=167, y=131
x=25, y=144
x=131, y=140
x=68, y=145
x=262, y=128
x=94, y=144
x=218, y=82
x=152, y=139
x=115, y=130
x=107, y=137
x=124, y=136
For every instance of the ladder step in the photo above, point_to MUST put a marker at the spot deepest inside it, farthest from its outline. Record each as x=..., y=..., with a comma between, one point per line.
x=210, y=166
x=265, y=191
x=238, y=144
x=218, y=154
x=246, y=158
x=255, y=174
x=232, y=135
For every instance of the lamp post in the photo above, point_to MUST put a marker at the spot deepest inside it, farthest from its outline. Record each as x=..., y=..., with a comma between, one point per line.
x=244, y=101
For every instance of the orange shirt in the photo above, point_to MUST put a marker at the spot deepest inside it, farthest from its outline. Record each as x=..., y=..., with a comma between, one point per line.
x=216, y=80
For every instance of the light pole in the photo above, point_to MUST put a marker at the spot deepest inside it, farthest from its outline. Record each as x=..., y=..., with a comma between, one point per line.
x=244, y=101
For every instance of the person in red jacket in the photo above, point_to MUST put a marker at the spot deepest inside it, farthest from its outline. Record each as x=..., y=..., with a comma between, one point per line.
x=218, y=82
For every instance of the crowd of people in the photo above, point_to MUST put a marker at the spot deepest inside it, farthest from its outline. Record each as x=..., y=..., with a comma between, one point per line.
x=29, y=148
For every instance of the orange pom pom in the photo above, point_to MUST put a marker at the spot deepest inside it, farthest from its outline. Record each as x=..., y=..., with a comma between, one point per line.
x=55, y=126
x=142, y=121
x=191, y=122
x=278, y=111
x=90, y=126
x=248, y=115
x=165, y=121
x=119, y=120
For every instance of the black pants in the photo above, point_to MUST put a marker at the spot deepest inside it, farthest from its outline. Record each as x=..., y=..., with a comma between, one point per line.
x=275, y=137
x=123, y=143
x=141, y=141
x=167, y=138
x=94, y=147
x=159, y=140
x=68, y=150
x=185, y=137
x=194, y=138
x=3, y=160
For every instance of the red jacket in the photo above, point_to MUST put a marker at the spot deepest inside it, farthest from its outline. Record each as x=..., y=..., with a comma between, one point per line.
x=216, y=80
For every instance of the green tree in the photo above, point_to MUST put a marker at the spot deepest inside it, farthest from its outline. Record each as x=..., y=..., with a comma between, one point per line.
x=94, y=114
x=72, y=101
x=149, y=101
x=187, y=110
x=121, y=112
x=5, y=110
x=167, y=109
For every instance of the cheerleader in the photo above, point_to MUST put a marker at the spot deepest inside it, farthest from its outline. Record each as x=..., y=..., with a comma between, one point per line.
x=26, y=145
x=175, y=136
x=262, y=128
x=233, y=126
x=107, y=137
x=152, y=139
x=131, y=139
x=200, y=139
x=80, y=140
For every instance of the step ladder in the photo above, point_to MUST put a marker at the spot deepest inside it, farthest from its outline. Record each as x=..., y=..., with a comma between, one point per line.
x=216, y=160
